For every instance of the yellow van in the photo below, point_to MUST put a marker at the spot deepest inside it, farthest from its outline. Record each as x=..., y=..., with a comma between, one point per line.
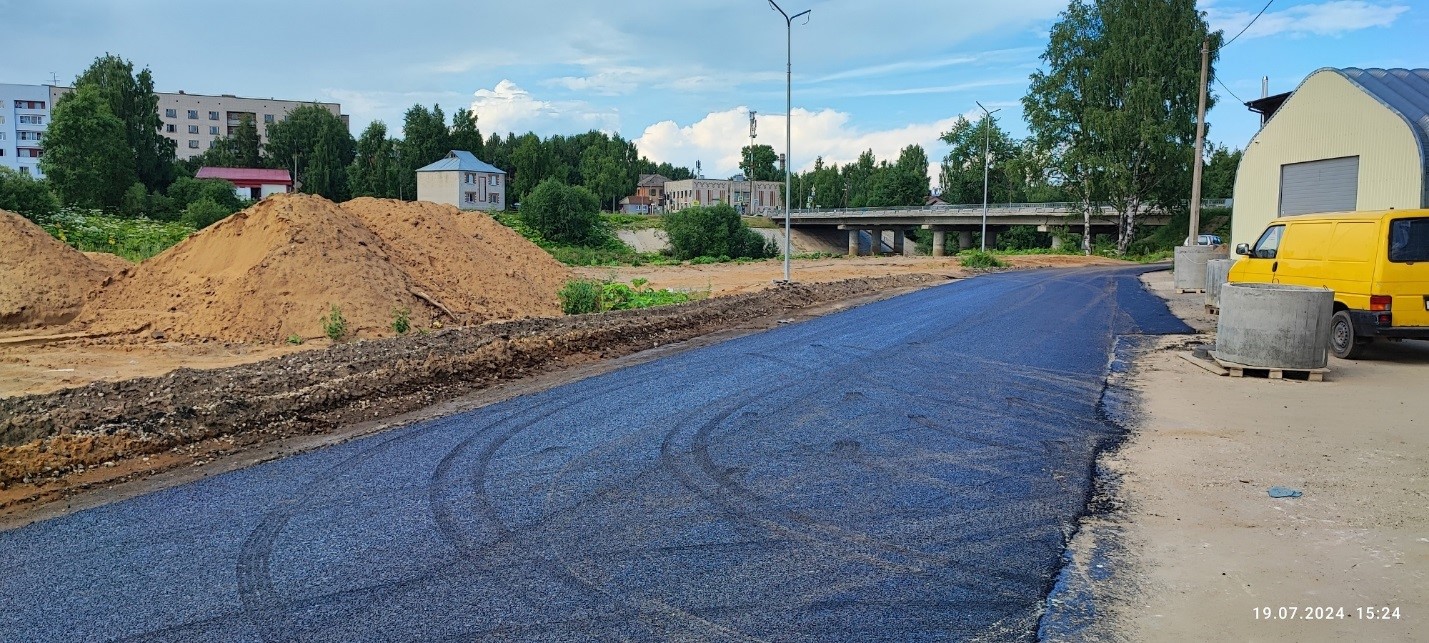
x=1376, y=262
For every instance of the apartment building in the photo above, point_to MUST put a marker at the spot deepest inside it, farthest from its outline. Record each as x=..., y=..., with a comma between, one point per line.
x=192, y=121
x=749, y=197
x=195, y=121
x=24, y=116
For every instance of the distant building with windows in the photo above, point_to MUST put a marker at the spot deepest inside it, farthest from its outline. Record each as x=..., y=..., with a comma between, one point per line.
x=462, y=180
x=749, y=197
x=24, y=117
x=192, y=121
x=250, y=183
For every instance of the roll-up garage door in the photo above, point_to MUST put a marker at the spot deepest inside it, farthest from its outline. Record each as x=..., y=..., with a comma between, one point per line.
x=1331, y=185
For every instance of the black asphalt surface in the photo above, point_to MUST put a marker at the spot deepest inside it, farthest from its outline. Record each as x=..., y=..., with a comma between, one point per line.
x=905, y=470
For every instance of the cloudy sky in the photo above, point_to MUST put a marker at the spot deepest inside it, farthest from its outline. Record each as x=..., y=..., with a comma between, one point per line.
x=678, y=77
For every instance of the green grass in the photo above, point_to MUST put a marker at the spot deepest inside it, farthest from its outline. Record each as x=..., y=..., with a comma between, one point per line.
x=133, y=239
x=633, y=221
x=979, y=259
x=760, y=222
x=581, y=296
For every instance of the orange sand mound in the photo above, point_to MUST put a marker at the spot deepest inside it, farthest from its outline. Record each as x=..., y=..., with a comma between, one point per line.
x=275, y=269
x=111, y=263
x=465, y=260
x=42, y=281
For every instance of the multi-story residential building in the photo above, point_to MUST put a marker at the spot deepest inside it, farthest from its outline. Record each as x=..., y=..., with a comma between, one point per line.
x=462, y=180
x=749, y=197
x=195, y=121
x=24, y=116
x=192, y=121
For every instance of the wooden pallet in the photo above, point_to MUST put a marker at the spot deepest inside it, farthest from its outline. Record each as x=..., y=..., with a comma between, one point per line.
x=1241, y=370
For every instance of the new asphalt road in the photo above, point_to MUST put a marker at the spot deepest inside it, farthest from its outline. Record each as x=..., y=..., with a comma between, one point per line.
x=904, y=470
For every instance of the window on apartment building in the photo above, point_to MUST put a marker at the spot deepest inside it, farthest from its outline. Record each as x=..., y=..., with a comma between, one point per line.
x=170, y=128
x=193, y=114
x=2, y=152
x=193, y=129
x=471, y=197
x=267, y=118
x=25, y=169
x=30, y=136
x=213, y=116
x=171, y=113
x=29, y=104
x=193, y=144
x=492, y=198
x=32, y=119
x=495, y=179
x=213, y=130
x=27, y=153
x=2, y=136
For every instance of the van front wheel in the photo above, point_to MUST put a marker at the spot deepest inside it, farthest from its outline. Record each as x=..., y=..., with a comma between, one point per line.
x=1343, y=343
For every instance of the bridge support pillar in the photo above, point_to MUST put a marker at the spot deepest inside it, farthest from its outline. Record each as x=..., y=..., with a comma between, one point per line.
x=853, y=243
x=940, y=239
x=965, y=240
x=1056, y=242
x=898, y=240
x=875, y=247
x=991, y=239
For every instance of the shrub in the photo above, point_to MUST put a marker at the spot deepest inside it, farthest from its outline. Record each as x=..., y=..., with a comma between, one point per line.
x=401, y=320
x=713, y=231
x=133, y=239
x=295, y=339
x=979, y=259
x=564, y=214
x=205, y=212
x=26, y=196
x=334, y=324
x=580, y=296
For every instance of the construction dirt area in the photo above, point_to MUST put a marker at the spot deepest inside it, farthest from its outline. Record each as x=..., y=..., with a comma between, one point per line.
x=119, y=379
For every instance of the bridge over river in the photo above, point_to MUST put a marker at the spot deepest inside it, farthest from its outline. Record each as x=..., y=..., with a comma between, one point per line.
x=964, y=220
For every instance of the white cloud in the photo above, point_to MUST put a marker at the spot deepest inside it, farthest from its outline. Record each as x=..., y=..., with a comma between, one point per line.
x=509, y=108
x=388, y=106
x=1317, y=19
x=716, y=139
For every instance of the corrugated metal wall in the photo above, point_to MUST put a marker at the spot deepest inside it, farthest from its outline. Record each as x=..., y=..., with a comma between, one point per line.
x=1328, y=118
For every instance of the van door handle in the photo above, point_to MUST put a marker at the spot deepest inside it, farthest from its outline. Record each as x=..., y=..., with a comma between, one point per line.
x=1275, y=266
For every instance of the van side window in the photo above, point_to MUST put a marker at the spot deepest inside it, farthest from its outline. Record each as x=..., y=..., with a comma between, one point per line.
x=1269, y=243
x=1409, y=240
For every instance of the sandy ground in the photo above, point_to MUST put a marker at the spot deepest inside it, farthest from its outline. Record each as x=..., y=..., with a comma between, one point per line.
x=730, y=278
x=1208, y=555
x=46, y=367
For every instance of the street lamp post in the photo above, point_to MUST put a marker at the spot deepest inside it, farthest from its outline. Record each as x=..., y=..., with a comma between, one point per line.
x=749, y=174
x=986, y=164
x=788, y=120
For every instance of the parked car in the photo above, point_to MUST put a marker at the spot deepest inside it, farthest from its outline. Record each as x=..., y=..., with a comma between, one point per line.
x=1208, y=240
x=1376, y=262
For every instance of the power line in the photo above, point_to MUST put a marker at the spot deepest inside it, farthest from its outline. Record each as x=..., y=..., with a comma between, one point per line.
x=1247, y=26
x=1223, y=86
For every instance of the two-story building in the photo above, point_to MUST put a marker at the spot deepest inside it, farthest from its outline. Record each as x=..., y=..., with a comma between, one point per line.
x=462, y=180
x=749, y=197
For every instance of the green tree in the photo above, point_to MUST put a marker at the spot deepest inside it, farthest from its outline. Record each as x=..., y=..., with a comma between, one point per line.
x=602, y=175
x=766, y=163
x=564, y=214
x=205, y=212
x=374, y=171
x=713, y=231
x=465, y=134
x=26, y=196
x=962, y=169
x=132, y=100
x=425, y=139
x=86, y=157
x=1126, y=95
x=529, y=164
x=314, y=143
x=1218, y=178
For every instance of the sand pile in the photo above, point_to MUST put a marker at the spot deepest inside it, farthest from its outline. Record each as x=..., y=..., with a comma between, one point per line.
x=467, y=261
x=111, y=263
x=275, y=269
x=42, y=281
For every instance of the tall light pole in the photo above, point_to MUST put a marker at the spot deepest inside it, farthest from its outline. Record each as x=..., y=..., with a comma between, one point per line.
x=788, y=120
x=749, y=175
x=986, y=163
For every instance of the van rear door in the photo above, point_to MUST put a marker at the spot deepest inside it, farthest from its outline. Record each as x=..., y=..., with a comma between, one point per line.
x=1405, y=276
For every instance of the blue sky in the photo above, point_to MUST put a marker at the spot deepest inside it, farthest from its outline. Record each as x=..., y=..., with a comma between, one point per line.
x=678, y=77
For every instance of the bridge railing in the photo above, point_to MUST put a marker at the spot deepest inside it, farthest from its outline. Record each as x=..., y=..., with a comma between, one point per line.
x=1061, y=206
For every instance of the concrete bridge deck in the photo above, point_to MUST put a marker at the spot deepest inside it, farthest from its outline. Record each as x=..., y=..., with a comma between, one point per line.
x=962, y=219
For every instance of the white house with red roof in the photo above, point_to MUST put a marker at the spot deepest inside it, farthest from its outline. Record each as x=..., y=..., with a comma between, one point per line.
x=250, y=182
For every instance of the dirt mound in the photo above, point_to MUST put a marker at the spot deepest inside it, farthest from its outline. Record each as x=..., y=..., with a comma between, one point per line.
x=111, y=263
x=275, y=269
x=473, y=265
x=42, y=281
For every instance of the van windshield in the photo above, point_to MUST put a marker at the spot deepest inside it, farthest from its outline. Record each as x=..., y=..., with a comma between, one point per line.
x=1409, y=240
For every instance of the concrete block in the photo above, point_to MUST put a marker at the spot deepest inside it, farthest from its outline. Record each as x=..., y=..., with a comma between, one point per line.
x=1190, y=266
x=1217, y=271
x=1275, y=325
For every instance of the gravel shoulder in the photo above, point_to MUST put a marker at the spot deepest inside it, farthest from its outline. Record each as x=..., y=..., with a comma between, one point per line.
x=1200, y=551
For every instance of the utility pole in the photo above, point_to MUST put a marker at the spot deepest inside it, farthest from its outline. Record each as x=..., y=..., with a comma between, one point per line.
x=749, y=205
x=1194, y=237
x=788, y=121
x=986, y=164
